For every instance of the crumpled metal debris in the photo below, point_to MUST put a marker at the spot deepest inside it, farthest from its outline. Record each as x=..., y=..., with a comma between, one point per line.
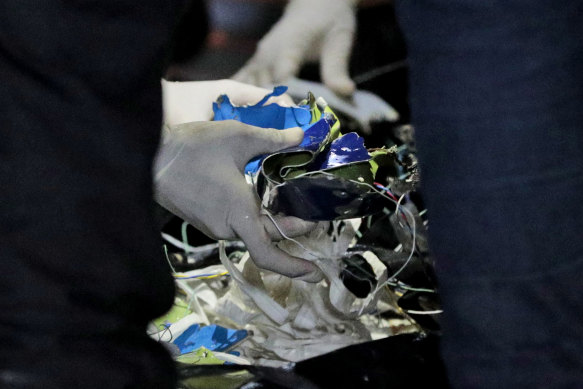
x=327, y=177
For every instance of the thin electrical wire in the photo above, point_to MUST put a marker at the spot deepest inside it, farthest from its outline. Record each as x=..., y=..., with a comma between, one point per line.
x=387, y=190
x=179, y=276
x=359, y=278
x=397, y=209
x=371, y=74
x=184, y=235
x=163, y=332
x=436, y=312
x=168, y=259
x=175, y=242
x=404, y=286
x=190, y=249
x=268, y=214
x=399, y=202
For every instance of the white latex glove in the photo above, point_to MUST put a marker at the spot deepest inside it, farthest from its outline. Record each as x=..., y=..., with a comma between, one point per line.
x=199, y=177
x=192, y=101
x=309, y=30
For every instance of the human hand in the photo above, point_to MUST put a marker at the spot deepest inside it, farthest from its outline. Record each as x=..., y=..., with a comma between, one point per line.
x=199, y=177
x=192, y=101
x=309, y=30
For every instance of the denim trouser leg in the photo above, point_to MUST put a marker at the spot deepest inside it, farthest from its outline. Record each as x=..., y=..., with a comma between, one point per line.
x=497, y=100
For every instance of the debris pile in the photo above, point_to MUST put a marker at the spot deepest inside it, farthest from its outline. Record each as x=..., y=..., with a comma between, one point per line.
x=370, y=245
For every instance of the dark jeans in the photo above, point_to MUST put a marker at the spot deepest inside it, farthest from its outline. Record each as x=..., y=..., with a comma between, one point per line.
x=81, y=269
x=497, y=101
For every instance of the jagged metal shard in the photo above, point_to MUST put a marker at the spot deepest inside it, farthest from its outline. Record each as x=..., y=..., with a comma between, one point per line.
x=323, y=198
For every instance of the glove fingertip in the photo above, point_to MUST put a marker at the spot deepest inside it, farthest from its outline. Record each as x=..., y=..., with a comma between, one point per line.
x=345, y=88
x=313, y=277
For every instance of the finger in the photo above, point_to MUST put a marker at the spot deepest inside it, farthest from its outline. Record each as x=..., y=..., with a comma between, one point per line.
x=264, y=78
x=252, y=141
x=290, y=60
x=268, y=257
x=246, y=73
x=287, y=66
x=255, y=72
x=313, y=277
x=335, y=59
x=280, y=227
x=246, y=94
x=241, y=93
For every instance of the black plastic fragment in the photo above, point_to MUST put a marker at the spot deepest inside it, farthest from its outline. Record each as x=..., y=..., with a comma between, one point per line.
x=321, y=198
x=408, y=361
x=358, y=275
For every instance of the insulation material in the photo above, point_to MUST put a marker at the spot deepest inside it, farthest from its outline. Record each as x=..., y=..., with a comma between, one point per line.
x=293, y=320
x=271, y=320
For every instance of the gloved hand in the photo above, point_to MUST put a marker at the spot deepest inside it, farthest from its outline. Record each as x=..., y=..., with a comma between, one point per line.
x=192, y=101
x=199, y=177
x=309, y=30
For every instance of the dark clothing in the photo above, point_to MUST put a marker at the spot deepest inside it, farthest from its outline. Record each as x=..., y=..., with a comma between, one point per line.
x=497, y=101
x=497, y=91
x=80, y=262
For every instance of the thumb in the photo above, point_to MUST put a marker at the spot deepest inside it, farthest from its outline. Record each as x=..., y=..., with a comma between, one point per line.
x=289, y=64
x=253, y=141
x=246, y=73
x=266, y=256
x=335, y=58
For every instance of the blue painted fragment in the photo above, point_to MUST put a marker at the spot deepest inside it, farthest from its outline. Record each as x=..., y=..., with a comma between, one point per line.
x=316, y=134
x=344, y=150
x=347, y=149
x=264, y=116
x=213, y=337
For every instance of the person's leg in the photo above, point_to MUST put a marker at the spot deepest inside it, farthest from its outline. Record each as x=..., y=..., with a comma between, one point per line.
x=497, y=101
x=81, y=269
